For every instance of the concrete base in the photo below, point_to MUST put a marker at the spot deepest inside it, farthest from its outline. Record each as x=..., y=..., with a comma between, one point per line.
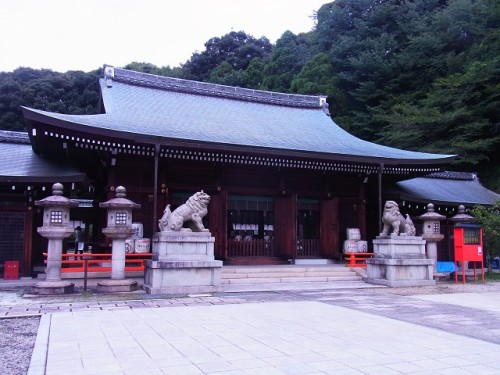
x=114, y=286
x=183, y=262
x=182, y=277
x=53, y=288
x=400, y=262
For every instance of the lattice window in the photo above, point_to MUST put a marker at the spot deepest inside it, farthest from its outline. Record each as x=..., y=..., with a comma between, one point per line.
x=121, y=218
x=56, y=217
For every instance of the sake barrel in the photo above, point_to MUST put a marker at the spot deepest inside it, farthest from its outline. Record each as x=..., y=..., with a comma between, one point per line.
x=129, y=246
x=142, y=245
x=362, y=246
x=138, y=230
x=350, y=246
x=353, y=234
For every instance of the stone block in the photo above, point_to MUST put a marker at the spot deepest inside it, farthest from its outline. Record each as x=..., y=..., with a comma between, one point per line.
x=183, y=246
x=399, y=262
x=182, y=263
x=399, y=247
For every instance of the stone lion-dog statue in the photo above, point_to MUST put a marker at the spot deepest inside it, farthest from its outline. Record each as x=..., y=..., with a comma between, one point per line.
x=191, y=212
x=394, y=223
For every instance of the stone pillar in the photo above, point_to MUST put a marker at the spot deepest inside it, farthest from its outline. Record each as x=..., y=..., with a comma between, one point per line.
x=55, y=228
x=119, y=229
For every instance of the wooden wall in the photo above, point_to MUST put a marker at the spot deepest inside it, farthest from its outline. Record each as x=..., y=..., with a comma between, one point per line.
x=334, y=191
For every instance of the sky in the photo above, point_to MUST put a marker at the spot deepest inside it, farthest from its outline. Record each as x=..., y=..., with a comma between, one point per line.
x=84, y=35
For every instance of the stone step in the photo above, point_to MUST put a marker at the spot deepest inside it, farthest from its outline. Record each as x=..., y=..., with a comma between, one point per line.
x=290, y=279
x=305, y=274
x=285, y=268
x=286, y=274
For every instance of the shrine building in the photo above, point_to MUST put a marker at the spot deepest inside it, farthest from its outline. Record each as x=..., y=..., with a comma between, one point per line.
x=285, y=181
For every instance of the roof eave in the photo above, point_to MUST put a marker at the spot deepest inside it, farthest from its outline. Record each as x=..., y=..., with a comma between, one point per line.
x=31, y=115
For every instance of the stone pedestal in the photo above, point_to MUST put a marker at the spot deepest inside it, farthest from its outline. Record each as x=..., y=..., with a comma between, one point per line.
x=399, y=261
x=53, y=283
x=119, y=228
x=183, y=262
x=53, y=287
x=118, y=282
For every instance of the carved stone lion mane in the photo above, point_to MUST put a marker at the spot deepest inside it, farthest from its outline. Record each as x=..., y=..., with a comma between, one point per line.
x=395, y=222
x=191, y=212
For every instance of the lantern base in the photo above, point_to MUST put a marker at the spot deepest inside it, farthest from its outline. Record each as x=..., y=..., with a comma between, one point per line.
x=53, y=287
x=114, y=286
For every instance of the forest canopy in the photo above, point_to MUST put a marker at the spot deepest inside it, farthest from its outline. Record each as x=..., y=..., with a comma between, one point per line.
x=421, y=75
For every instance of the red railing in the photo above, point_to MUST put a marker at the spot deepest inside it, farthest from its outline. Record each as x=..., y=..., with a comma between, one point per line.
x=251, y=248
x=99, y=262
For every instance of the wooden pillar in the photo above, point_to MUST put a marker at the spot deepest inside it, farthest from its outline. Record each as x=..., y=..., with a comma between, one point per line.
x=362, y=211
x=329, y=228
x=28, y=243
x=285, y=226
x=155, y=187
x=217, y=219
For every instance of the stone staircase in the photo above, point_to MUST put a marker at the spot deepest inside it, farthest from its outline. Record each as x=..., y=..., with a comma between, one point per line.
x=289, y=277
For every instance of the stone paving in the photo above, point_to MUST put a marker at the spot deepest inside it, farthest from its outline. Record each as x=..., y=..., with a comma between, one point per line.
x=323, y=331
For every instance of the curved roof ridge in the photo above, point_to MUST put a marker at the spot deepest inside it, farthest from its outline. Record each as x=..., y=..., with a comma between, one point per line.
x=453, y=175
x=213, y=89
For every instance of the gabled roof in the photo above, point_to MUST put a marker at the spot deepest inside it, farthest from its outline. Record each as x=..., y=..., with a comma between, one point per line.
x=451, y=188
x=172, y=111
x=20, y=164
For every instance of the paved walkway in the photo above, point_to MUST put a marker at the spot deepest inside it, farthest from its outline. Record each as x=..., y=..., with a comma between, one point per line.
x=297, y=331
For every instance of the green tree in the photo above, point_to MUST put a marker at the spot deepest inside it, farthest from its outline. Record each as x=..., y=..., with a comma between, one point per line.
x=489, y=219
x=73, y=92
x=236, y=48
x=289, y=55
x=225, y=74
x=318, y=77
x=255, y=73
x=153, y=69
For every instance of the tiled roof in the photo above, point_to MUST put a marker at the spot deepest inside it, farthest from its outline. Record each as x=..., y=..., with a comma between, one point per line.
x=171, y=110
x=20, y=164
x=445, y=190
x=14, y=137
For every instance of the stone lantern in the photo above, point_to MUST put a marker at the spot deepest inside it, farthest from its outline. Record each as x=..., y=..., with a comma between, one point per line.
x=119, y=228
x=55, y=228
x=431, y=232
x=462, y=216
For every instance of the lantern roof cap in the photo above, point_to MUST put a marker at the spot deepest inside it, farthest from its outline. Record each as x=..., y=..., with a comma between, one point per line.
x=57, y=198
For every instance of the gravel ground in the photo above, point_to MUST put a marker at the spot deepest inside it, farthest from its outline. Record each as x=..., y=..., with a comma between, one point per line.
x=18, y=335
x=17, y=339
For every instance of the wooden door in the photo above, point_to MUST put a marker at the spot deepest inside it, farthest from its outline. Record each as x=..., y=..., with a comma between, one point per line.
x=329, y=228
x=285, y=226
x=217, y=222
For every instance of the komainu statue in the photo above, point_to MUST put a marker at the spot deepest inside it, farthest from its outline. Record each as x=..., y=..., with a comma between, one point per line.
x=394, y=223
x=191, y=212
